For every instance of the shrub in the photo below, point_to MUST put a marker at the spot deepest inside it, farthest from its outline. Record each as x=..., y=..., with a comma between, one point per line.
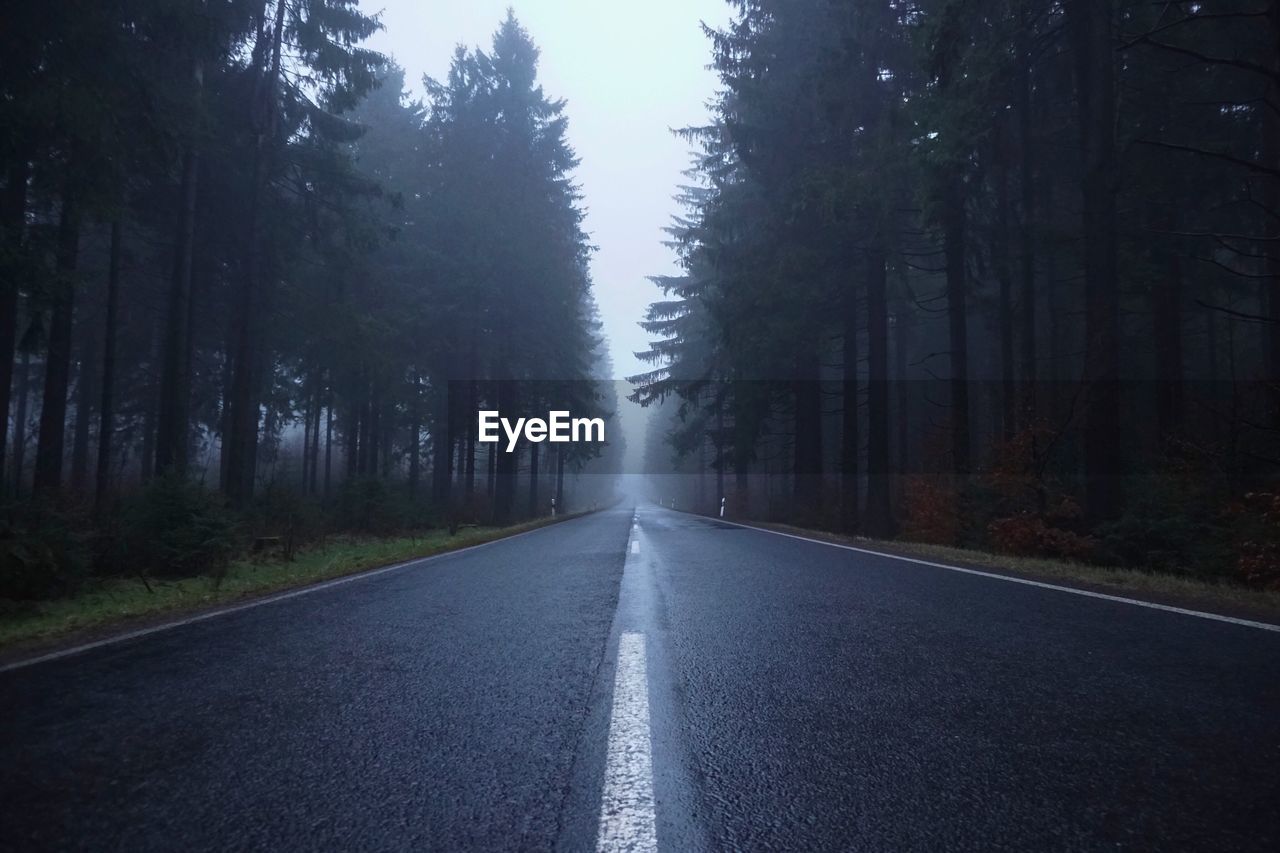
x=42, y=553
x=931, y=512
x=1029, y=535
x=367, y=505
x=1257, y=524
x=281, y=511
x=1016, y=479
x=473, y=510
x=1172, y=523
x=175, y=529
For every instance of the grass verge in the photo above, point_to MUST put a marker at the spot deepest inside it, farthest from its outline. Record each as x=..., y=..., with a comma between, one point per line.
x=1175, y=590
x=109, y=605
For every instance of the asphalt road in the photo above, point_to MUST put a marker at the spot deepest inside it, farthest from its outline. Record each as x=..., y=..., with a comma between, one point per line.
x=631, y=679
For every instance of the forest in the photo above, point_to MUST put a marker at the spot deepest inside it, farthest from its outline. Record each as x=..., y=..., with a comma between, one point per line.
x=251, y=286
x=1002, y=274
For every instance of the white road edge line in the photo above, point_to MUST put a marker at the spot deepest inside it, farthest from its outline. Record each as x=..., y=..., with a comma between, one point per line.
x=257, y=602
x=627, y=818
x=1217, y=617
x=635, y=546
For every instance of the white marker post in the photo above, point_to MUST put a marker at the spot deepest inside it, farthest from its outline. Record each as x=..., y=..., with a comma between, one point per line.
x=722, y=507
x=553, y=507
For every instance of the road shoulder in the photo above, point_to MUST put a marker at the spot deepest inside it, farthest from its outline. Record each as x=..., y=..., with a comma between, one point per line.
x=47, y=638
x=1232, y=602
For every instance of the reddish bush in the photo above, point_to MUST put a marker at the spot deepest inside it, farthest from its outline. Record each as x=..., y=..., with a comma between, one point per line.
x=930, y=508
x=1015, y=474
x=1028, y=535
x=1258, y=519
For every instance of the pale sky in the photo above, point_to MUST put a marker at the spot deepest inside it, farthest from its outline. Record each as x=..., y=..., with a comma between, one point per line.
x=630, y=73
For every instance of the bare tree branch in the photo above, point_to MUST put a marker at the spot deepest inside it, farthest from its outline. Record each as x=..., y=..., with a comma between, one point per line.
x=1217, y=155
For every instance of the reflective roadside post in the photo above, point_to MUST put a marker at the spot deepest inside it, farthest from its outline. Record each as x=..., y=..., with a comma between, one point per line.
x=553, y=507
x=722, y=507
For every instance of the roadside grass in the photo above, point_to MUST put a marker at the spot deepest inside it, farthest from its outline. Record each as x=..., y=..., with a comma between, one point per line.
x=121, y=602
x=1163, y=588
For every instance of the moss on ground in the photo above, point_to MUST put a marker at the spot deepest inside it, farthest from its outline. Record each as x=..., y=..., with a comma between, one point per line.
x=121, y=602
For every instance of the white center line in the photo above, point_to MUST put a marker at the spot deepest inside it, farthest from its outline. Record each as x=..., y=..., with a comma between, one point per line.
x=635, y=546
x=627, y=819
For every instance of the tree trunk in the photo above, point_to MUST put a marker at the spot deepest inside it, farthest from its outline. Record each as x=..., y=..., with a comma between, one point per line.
x=150, y=403
x=85, y=393
x=13, y=233
x=243, y=404
x=1166, y=314
x=351, y=433
x=328, y=443
x=534, y=457
x=741, y=485
x=850, y=436
x=460, y=460
x=313, y=485
x=1026, y=229
x=701, y=504
x=442, y=461
x=53, y=411
x=719, y=455
x=20, y=422
x=360, y=436
x=268, y=443
x=470, y=472
x=879, y=518
x=901, y=346
x=560, y=479
x=1091, y=30
x=505, y=482
x=175, y=382
x=242, y=449
x=491, y=472
x=415, y=434
x=1271, y=246
x=373, y=434
x=261, y=428
x=106, y=407
x=808, y=435
x=1004, y=272
x=958, y=324
x=307, y=418
x=385, y=437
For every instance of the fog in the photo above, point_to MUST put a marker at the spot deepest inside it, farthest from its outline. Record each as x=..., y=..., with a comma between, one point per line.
x=629, y=78
x=1003, y=280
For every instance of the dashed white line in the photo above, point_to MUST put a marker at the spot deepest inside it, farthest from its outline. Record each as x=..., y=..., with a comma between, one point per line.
x=627, y=818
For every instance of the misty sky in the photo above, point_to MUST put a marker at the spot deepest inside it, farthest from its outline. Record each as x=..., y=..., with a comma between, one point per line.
x=629, y=74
